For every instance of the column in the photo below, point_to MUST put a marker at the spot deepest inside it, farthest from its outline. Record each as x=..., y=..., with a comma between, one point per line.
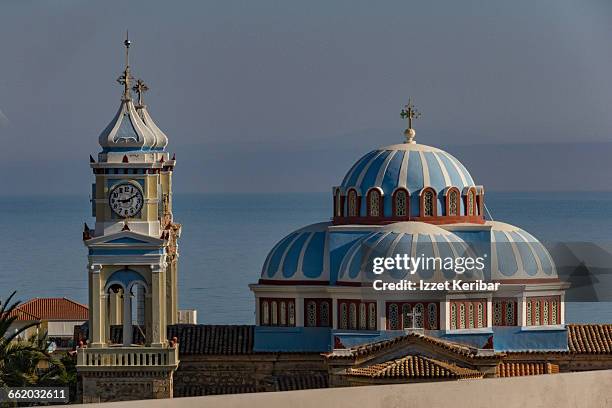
x=334, y=313
x=127, y=318
x=299, y=310
x=158, y=303
x=96, y=329
x=381, y=312
x=115, y=308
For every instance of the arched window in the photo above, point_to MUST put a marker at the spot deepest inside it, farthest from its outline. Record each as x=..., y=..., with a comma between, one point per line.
x=470, y=324
x=528, y=313
x=265, y=313
x=453, y=202
x=461, y=316
x=553, y=313
x=374, y=203
x=363, y=316
x=343, y=316
x=470, y=203
x=429, y=204
x=325, y=314
x=311, y=314
x=274, y=313
x=400, y=203
x=453, y=319
x=338, y=203
x=372, y=316
x=407, y=316
x=291, y=314
x=497, y=313
x=432, y=316
x=283, y=313
x=353, y=208
x=353, y=316
x=393, y=317
x=419, y=318
x=510, y=319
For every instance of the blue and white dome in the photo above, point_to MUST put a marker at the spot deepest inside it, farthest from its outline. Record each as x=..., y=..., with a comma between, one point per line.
x=516, y=254
x=416, y=239
x=411, y=166
x=300, y=256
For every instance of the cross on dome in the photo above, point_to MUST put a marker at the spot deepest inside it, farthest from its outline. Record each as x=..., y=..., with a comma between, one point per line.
x=409, y=112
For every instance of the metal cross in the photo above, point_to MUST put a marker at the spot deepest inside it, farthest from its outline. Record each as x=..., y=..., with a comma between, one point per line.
x=414, y=314
x=409, y=112
x=140, y=88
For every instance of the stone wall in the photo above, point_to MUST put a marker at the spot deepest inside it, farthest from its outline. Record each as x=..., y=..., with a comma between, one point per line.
x=586, y=389
x=258, y=372
x=124, y=385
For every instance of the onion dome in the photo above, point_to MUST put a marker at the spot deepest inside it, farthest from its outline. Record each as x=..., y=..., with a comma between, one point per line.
x=516, y=254
x=131, y=130
x=127, y=131
x=161, y=140
x=300, y=256
x=415, y=239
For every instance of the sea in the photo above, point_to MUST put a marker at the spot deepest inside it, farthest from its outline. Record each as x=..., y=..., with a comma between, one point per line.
x=226, y=237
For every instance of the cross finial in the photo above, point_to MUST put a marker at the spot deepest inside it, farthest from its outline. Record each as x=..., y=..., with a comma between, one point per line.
x=126, y=77
x=140, y=88
x=409, y=112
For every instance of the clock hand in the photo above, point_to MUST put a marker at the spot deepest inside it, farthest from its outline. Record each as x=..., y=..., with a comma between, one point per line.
x=127, y=199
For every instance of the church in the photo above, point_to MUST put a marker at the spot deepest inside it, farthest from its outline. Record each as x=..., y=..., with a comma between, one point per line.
x=320, y=318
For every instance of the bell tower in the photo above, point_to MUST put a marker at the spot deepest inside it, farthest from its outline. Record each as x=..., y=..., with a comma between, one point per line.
x=132, y=258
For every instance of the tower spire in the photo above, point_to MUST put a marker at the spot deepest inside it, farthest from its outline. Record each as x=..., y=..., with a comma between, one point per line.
x=409, y=112
x=126, y=76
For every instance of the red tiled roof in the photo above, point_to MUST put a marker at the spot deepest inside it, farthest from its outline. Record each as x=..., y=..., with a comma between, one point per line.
x=51, y=309
x=414, y=367
x=370, y=348
x=589, y=338
x=519, y=369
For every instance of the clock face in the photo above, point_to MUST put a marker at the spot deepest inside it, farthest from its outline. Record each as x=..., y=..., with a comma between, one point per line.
x=125, y=200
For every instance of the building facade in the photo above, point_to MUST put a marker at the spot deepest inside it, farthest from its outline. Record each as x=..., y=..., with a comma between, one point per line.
x=132, y=257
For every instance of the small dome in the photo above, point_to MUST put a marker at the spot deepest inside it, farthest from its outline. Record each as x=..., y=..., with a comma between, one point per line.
x=127, y=131
x=516, y=254
x=416, y=239
x=411, y=166
x=300, y=256
x=161, y=140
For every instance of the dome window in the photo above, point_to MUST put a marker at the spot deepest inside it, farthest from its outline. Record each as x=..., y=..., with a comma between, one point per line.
x=453, y=202
x=374, y=203
x=338, y=203
x=428, y=203
x=471, y=203
x=400, y=203
x=353, y=204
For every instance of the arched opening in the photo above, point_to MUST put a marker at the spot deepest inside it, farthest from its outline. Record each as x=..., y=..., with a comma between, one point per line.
x=470, y=203
x=400, y=203
x=338, y=203
x=452, y=202
x=353, y=203
x=374, y=203
x=428, y=203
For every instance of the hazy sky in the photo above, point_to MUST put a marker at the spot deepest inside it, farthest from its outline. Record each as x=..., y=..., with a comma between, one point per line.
x=285, y=96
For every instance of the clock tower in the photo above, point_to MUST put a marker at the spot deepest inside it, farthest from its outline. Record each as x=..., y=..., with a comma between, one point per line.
x=132, y=258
